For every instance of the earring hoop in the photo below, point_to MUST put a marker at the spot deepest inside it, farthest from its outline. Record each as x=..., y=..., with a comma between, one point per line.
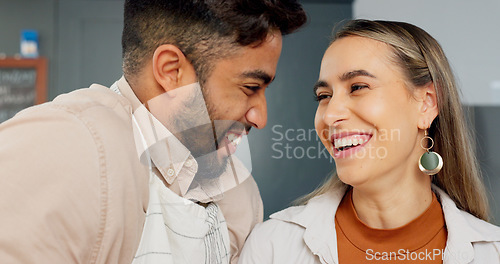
x=426, y=136
x=430, y=162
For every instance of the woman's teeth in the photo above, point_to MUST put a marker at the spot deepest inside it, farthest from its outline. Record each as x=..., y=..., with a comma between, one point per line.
x=347, y=142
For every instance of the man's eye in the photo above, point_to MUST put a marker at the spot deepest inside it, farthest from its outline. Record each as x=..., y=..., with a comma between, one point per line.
x=356, y=87
x=252, y=87
x=320, y=97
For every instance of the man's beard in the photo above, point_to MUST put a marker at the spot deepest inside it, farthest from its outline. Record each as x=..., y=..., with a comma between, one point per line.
x=206, y=141
x=203, y=146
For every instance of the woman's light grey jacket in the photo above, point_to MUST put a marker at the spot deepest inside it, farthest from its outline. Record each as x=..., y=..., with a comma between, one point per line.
x=306, y=234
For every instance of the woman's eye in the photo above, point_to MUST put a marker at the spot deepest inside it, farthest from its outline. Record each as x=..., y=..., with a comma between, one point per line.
x=320, y=97
x=356, y=87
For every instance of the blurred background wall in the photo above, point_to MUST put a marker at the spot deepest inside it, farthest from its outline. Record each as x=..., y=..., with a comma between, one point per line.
x=81, y=39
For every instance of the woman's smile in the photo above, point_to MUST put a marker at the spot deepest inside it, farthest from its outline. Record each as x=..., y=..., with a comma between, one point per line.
x=347, y=144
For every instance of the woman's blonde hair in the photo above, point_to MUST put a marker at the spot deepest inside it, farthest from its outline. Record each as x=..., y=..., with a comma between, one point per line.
x=422, y=59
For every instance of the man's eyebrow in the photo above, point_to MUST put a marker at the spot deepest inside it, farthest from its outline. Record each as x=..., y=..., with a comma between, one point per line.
x=319, y=84
x=258, y=74
x=352, y=74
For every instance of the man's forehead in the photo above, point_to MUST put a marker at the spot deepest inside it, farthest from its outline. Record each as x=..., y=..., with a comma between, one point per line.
x=253, y=62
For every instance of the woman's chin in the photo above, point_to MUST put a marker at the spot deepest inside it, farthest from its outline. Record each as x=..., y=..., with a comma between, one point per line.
x=352, y=179
x=347, y=178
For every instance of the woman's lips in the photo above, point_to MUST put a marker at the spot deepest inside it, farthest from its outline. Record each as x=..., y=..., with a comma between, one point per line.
x=348, y=143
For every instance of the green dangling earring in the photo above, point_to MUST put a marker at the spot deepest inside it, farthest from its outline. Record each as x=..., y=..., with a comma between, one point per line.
x=430, y=162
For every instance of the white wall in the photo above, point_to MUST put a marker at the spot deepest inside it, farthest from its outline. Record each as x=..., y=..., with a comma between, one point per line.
x=469, y=32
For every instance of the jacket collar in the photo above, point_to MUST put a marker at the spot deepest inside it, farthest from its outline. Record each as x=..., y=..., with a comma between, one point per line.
x=463, y=230
x=317, y=218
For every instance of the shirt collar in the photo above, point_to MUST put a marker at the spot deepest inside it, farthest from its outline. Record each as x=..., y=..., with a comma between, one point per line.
x=421, y=230
x=167, y=153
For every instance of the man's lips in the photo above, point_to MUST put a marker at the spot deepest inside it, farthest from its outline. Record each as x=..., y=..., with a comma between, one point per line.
x=230, y=142
x=234, y=137
x=231, y=134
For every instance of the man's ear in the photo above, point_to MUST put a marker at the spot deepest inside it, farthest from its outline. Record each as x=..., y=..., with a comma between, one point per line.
x=428, y=105
x=171, y=68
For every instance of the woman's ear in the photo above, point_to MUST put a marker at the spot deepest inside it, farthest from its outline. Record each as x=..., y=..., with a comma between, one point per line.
x=429, y=107
x=171, y=69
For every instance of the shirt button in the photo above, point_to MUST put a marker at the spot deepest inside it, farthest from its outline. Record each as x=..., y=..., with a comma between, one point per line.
x=170, y=172
x=189, y=163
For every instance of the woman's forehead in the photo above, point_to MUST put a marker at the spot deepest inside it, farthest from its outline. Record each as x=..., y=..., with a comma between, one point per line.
x=355, y=53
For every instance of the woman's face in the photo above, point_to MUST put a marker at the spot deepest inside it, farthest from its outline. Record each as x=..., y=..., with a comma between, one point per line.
x=366, y=116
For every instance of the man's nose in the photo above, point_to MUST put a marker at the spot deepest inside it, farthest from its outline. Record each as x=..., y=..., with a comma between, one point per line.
x=257, y=114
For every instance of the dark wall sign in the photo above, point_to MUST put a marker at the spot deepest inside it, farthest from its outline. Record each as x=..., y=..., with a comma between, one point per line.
x=23, y=83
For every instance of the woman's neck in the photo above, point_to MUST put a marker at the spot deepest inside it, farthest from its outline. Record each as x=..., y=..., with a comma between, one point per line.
x=393, y=205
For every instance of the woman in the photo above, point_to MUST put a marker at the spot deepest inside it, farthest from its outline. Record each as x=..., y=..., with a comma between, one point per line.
x=407, y=187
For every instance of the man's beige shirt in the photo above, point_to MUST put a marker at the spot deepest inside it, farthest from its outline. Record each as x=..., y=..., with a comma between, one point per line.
x=73, y=189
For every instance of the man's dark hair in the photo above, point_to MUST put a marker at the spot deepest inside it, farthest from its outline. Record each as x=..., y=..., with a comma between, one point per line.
x=204, y=30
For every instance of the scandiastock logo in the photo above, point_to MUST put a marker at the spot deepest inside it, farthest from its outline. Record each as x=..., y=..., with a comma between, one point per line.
x=297, y=144
x=305, y=143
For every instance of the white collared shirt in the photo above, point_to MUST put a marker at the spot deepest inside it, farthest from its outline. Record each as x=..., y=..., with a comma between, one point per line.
x=167, y=152
x=177, y=230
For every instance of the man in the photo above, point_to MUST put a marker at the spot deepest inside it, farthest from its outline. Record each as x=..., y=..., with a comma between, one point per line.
x=147, y=171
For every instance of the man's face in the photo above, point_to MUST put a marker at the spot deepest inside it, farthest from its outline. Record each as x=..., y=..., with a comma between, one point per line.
x=234, y=94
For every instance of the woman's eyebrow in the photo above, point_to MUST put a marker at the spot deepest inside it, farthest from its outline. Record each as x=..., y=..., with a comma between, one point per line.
x=352, y=74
